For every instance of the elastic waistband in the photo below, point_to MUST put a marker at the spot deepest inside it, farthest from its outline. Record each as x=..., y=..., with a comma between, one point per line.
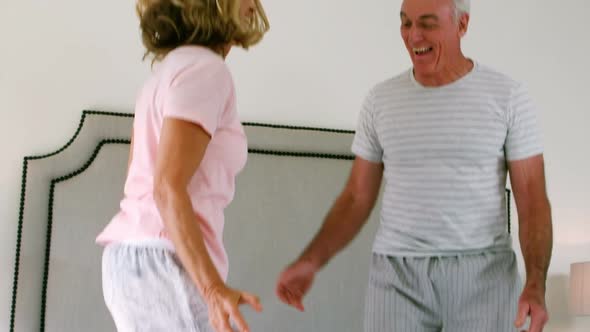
x=159, y=243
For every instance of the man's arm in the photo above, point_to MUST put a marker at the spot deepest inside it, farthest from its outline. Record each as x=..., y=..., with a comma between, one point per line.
x=348, y=213
x=344, y=221
x=536, y=235
x=534, y=214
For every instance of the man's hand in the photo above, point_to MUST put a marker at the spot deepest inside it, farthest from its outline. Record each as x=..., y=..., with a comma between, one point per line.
x=532, y=303
x=295, y=282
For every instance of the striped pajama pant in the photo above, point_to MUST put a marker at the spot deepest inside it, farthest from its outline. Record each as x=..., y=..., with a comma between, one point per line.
x=465, y=293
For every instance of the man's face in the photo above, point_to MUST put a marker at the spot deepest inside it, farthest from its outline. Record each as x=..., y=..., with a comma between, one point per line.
x=432, y=34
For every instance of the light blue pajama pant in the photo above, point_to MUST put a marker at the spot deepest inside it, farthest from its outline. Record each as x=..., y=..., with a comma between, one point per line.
x=146, y=290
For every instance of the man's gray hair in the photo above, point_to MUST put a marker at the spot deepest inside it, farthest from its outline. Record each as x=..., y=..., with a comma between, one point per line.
x=461, y=7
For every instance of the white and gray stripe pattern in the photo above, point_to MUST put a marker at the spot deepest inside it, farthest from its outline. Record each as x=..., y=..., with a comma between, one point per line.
x=445, y=151
x=464, y=293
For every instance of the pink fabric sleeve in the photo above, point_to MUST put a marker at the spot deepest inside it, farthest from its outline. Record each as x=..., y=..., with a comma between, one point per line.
x=199, y=94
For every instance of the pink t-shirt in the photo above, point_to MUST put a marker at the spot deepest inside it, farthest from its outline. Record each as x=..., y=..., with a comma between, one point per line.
x=193, y=84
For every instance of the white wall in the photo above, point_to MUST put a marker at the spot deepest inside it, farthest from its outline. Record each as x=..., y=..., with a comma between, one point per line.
x=321, y=57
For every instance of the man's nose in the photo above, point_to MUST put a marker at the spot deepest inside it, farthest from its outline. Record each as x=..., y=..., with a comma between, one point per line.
x=416, y=34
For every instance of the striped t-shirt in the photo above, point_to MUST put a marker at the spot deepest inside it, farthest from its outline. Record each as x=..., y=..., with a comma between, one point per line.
x=444, y=151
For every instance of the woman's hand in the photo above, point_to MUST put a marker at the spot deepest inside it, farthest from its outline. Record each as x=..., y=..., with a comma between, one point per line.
x=223, y=303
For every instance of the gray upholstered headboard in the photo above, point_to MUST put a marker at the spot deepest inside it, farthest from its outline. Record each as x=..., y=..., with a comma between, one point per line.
x=291, y=179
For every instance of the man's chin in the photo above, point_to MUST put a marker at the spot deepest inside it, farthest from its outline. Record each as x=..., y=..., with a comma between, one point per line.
x=423, y=69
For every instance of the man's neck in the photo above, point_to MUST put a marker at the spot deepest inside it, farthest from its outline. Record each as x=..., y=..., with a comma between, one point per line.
x=451, y=73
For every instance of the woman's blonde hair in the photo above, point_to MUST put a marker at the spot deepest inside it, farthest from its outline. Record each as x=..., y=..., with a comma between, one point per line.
x=167, y=24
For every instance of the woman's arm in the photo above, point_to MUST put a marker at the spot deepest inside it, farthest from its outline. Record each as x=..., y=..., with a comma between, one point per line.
x=180, y=151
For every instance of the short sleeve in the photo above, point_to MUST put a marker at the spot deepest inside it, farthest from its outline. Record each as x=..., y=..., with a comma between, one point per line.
x=523, y=139
x=199, y=94
x=366, y=143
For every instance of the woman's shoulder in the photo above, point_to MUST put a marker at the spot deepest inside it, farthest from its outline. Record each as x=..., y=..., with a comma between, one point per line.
x=191, y=65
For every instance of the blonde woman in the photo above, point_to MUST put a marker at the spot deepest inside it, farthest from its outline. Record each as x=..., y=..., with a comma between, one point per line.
x=164, y=263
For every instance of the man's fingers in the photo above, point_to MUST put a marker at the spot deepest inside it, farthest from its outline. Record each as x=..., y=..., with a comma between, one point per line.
x=538, y=320
x=535, y=326
x=251, y=299
x=290, y=296
x=285, y=294
x=298, y=299
x=282, y=294
x=523, y=311
x=291, y=299
x=299, y=305
x=295, y=299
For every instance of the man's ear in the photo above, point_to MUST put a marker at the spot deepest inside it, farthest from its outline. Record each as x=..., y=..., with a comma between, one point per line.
x=463, y=24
